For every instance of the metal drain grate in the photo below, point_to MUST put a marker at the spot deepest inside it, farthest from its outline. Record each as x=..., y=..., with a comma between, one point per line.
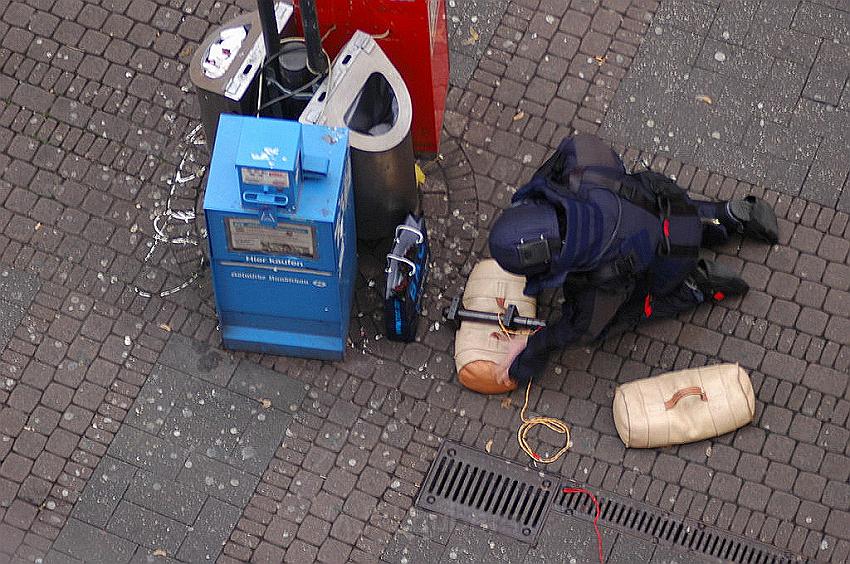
x=487, y=492
x=636, y=518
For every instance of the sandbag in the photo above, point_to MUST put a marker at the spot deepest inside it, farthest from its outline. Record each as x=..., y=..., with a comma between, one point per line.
x=481, y=347
x=683, y=406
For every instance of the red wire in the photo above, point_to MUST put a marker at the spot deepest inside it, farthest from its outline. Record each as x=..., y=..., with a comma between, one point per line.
x=595, y=519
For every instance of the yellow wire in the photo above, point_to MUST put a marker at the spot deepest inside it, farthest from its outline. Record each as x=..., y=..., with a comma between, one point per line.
x=528, y=424
x=510, y=332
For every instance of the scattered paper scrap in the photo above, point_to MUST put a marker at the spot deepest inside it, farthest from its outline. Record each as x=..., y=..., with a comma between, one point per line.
x=222, y=53
x=489, y=445
x=165, y=327
x=160, y=552
x=267, y=403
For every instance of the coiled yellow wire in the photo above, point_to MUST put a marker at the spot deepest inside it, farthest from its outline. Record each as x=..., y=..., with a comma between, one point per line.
x=529, y=423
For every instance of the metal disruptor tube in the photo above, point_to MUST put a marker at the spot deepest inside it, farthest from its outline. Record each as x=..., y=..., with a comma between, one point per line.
x=310, y=22
x=510, y=318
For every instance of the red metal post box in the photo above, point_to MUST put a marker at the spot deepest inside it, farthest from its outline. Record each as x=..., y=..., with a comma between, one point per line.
x=413, y=35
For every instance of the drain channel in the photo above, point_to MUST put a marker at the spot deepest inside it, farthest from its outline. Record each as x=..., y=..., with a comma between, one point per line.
x=487, y=492
x=636, y=518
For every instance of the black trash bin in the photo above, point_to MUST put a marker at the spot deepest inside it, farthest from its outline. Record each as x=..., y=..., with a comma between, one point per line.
x=235, y=90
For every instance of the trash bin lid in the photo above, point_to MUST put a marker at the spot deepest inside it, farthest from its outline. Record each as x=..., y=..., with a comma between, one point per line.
x=243, y=68
x=367, y=94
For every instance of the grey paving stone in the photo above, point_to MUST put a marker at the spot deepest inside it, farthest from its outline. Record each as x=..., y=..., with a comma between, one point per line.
x=166, y=497
x=197, y=359
x=739, y=162
x=56, y=557
x=18, y=287
x=436, y=527
x=465, y=51
x=151, y=453
x=760, y=125
x=827, y=174
x=734, y=62
x=628, y=549
x=413, y=548
x=162, y=390
x=256, y=446
x=90, y=544
x=467, y=544
x=208, y=417
x=565, y=538
x=690, y=15
x=103, y=491
x=210, y=532
x=147, y=556
x=217, y=479
x=733, y=19
x=823, y=21
x=147, y=528
x=10, y=317
x=260, y=383
x=461, y=68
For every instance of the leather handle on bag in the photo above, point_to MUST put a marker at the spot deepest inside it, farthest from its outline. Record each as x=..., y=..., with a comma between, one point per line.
x=683, y=393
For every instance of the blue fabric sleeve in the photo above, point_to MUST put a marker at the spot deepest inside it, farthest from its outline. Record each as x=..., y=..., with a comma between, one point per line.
x=584, y=317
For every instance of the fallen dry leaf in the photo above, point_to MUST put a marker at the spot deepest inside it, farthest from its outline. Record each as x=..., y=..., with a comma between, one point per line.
x=473, y=37
x=160, y=552
x=705, y=99
x=489, y=445
x=506, y=403
x=519, y=115
x=420, y=174
x=165, y=327
x=37, y=226
x=600, y=59
x=267, y=403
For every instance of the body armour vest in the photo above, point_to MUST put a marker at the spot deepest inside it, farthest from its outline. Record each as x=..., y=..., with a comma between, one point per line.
x=618, y=227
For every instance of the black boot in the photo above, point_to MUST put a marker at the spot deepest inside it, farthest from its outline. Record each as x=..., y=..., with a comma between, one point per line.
x=755, y=218
x=717, y=282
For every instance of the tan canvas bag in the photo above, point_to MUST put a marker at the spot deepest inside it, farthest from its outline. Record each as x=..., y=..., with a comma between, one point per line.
x=480, y=347
x=683, y=406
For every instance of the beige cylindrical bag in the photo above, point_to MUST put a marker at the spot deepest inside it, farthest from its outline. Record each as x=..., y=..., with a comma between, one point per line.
x=481, y=347
x=684, y=406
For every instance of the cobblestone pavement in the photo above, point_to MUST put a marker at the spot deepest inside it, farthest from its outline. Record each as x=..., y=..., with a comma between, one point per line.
x=94, y=99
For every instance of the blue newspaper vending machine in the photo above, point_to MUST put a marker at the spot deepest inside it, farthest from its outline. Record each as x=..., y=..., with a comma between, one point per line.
x=280, y=220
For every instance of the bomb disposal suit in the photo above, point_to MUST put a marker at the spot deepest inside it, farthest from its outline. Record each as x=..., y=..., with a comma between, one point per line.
x=624, y=247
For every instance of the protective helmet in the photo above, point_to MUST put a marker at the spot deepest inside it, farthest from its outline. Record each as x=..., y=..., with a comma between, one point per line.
x=526, y=237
